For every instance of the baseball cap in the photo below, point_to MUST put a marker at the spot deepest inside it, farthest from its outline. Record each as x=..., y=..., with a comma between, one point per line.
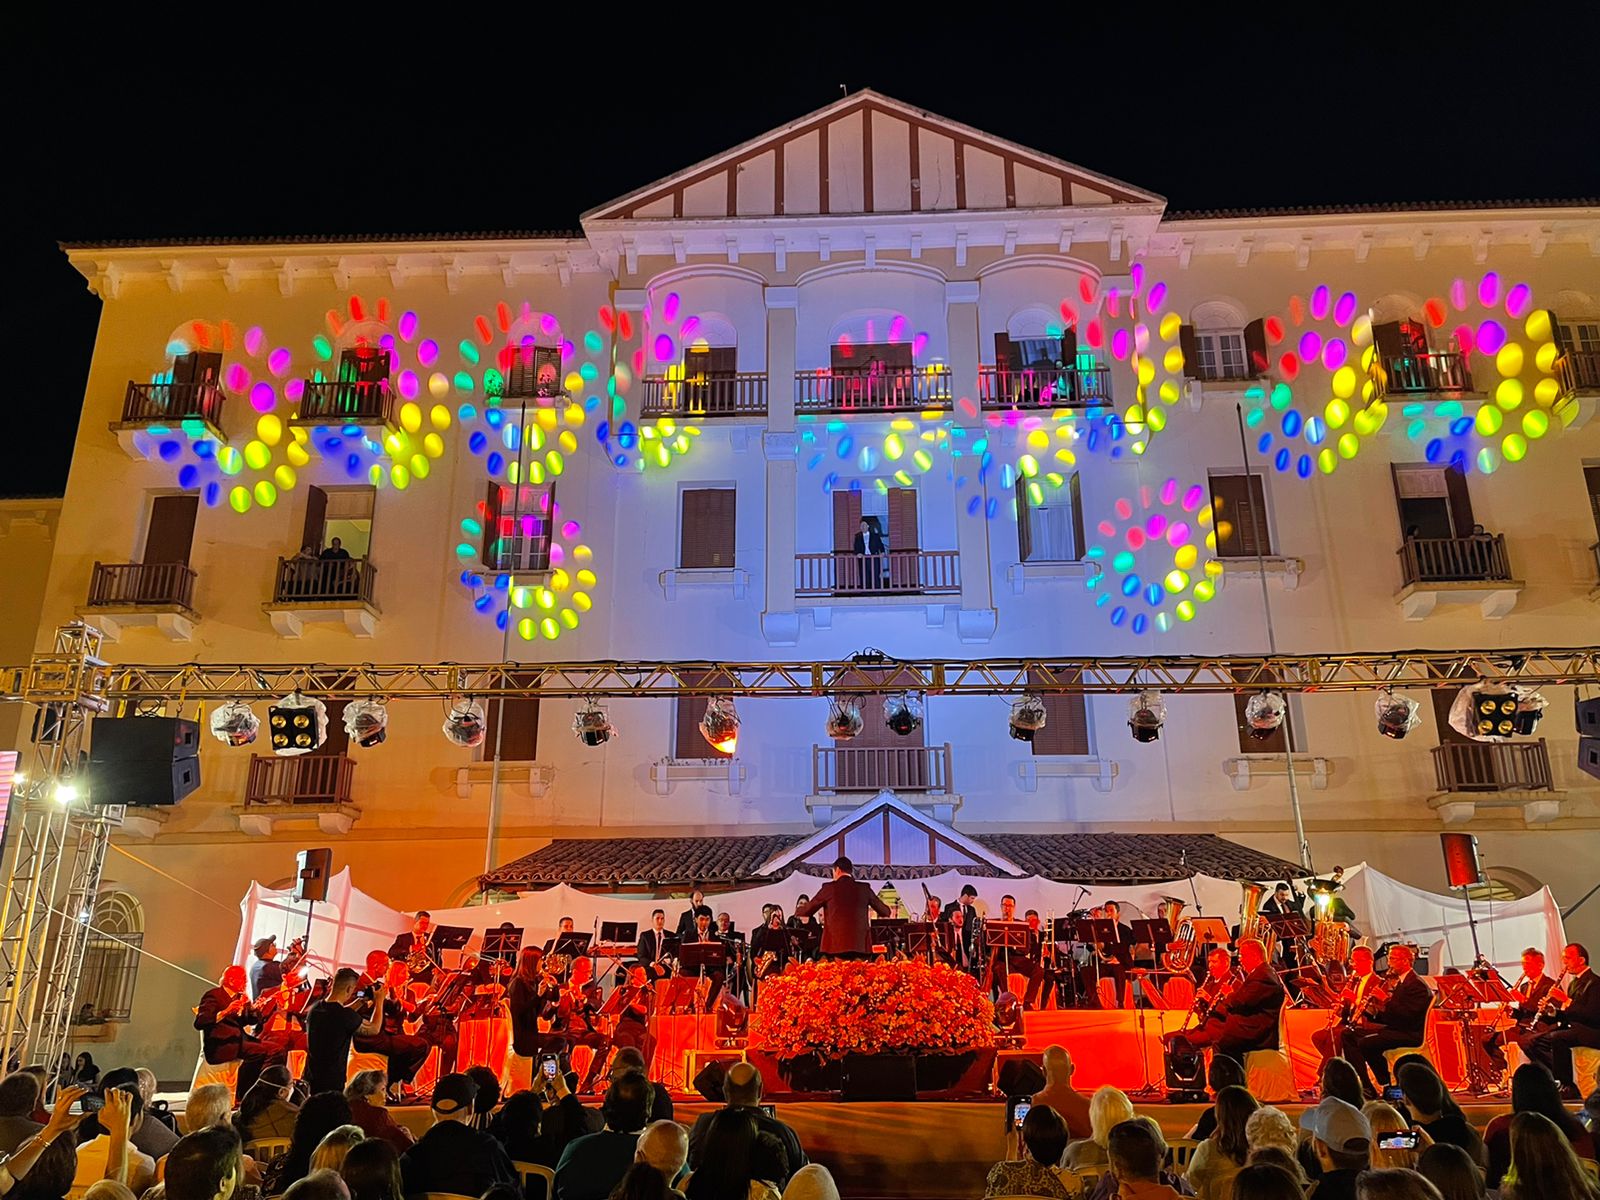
x=263, y=943
x=453, y=1093
x=1342, y=1126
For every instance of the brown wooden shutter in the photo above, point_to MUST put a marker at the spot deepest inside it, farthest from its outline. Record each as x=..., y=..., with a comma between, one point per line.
x=493, y=503
x=1244, y=508
x=903, y=533
x=1558, y=335
x=1278, y=742
x=1069, y=348
x=171, y=533
x=1255, y=347
x=1455, y=484
x=1591, y=480
x=1066, y=729
x=688, y=741
x=1190, y=346
x=1024, y=522
x=1442, y=700
x=543, y=506
x=519, y=739
x=1006, y=354
x=707, y=535
x=1390, y=341
x=316, y=518
x=1075, y=492
x=202, y=366
x=846, y=518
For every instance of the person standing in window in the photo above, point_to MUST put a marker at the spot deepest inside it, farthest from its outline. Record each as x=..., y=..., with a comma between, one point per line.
x=869, y=543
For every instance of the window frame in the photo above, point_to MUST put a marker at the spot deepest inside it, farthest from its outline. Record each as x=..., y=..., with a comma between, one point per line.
x=1209, y=344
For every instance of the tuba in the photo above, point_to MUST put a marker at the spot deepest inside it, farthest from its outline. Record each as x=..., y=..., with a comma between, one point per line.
x=1330, y=942
x=1179, y=954
x=1251, y=922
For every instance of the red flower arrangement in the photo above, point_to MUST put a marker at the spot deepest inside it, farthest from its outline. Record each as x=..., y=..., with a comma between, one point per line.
x=830, y=1009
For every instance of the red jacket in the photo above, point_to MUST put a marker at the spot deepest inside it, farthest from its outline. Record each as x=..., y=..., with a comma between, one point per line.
x=848, y=928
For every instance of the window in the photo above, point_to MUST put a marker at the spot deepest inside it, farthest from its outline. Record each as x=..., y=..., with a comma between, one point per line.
x=515, y=722
x=706, y=527
x=1220, y=354
x=110, y=961
x=170, y=535
x=517, y=523
x=1051, y=531
x=1591, y=481
x=1432, y=502
x=688, y=742
x=533, y=371
x=1239, y=505
x=1280, y=739
x=343, y=513
x=1581, y=336
x=1066, y=727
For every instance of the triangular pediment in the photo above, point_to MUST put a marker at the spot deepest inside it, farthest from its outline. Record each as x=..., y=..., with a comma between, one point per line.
x=888, y=832
x=867, y=154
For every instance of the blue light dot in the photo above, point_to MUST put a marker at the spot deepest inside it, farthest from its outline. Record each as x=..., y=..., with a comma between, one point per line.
x=1130, y=585
x=1281, y=459
x=1119, y=614
x=1140, y=623
x=188, y=476
x=1302, y=468
x=1264, y=443
x=1292, y=422
x=1152, y=595
x=1435, y=450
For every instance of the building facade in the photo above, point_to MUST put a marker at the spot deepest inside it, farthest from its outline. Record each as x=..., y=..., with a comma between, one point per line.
x=877, y=320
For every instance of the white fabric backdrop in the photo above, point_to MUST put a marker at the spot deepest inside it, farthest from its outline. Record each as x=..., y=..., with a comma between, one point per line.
x=352, y=923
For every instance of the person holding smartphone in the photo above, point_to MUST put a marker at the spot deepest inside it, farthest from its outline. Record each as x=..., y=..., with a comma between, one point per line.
x=332, y=1025
x=1043, y=1139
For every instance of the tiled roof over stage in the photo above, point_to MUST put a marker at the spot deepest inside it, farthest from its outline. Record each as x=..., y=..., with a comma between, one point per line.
x=1068, y=857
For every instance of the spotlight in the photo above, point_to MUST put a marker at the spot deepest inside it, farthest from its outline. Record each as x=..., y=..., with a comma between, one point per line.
x=1146, y=716
x=1492, y=712
x=1264, y=713
x=298, y=725
x=592, y=726
x=1027, y=718
x=65, y=793
x=1530, y=710
x=720, y=725
x=464, y=726
x=1397, y=715
x=234, y=724
x=367, y=722
x=903, y=713
x=733, y=1021
x=844, y=719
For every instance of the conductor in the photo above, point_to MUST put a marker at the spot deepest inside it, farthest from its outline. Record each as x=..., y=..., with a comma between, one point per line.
x=848, y=930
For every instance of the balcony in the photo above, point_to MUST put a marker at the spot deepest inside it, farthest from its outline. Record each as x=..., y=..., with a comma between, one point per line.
x=307, y=788
x=325, y=590
x=1579, y=374
x=837, y=770
x=857, y=390
x=1438, y=374
x=894, y=573
x=346, y=402
x=1474, y=775
x=1457, y=570
x=523, y=382
x=740, y=394
x=1002, y=388
x=150, y=410
x=155, y=595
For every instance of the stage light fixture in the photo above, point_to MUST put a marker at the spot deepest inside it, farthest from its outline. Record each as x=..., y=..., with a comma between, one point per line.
x=66, y=793
x=903, y=713
x=1264, y=713
x=465, y=726
x=1146, y=716
x=1028, y=716
x=366, y=721
x=1397, y=715
x=844, y=719
x=297, y=725
x=234, y=724
x=720, y=725
x=1530, y=711
x=1495, y=712
x=591, y=725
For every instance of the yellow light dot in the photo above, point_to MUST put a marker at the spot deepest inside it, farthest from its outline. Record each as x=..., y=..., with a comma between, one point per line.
x=285, y=477
x=439, y=417
x=544, y=597
x=581, y=601
x=1185, y=610
x=1545, y=356
x=586, y=577
x=1038, y=439
x=1170, y=326
x=270, y=428
x=375, y=475
x=560, y=581
x=1213, y=568
x=573, y=414
x=1344, y=382
x=1508, y=395
x=1535, y=423
x=1147, y=372
x=573, y=382
x=568, y=618
x=923, y=460
x=239, y=499
x=1515, y=447
x=411, y=416
x=549, y=628
x=1488, y=420
x=1185, y=558
x=1361, y=330
x=420, y=466
x=1327, y=460
x=526, y=629
x=555, y=462
x=1176, y=581
x=266, y=494
x=433, y=446
x=1546, y=392
x=1204, y=590
x=400, y=476
x=1537, y=326
x=297, y=455
x=1157, y=419
x=439, y=386
x=1028, y=465
x=520, y=597
x=1509, y=361
x=1349, y=445
x=256, y=455
x=1169, y=391
x=1172, y=361
x=893, y=447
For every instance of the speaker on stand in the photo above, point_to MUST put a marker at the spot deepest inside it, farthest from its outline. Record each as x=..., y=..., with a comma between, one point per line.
x=312, y=869
x=1462, y=870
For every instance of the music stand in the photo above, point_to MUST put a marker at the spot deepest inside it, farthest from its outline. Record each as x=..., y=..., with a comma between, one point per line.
x=501, y=945
x=619, y=933
x=922, y=939
x=1155, y=932
x=573, y=945
x=1209, y=931
x=809, y=938
x=890, y=932
x=1458, y=993
x=1495, y=990
x=1288, y=926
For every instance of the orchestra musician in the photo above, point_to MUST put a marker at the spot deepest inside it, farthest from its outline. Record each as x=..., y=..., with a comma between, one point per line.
x=847, y=933
x=1530, y=990
x=417, y=949
x=962, y=914
x=769, y=948
x=802, y=953
x=404, y=1051
x=266, y=972
x=534, y=993
x=703, y=934
x=687, y=918
x=1114, y=958
x=739, y=980
x=1042, y=984
x=1577, y=1008
x=1246, y=1018
x=441, y=1010
x=576, y=1019
x=1397, y=1009
x=634, y=1010
x=655, y=947
x=1285, y=902
x=223, y=1017
x=1004, y=963
x=1352, y=1003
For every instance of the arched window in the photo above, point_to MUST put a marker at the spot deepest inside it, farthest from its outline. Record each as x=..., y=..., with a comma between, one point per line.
x=110, y=961
x=1504, y=883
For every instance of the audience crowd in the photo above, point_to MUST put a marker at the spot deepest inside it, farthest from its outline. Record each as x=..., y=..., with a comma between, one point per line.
x=107, y=1137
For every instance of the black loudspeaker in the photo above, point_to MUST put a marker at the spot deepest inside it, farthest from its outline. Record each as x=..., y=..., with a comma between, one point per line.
x=1589, y=717
x=311, y=876
x=878, y=1077
x=1020, y=1077
x=143, y=761
x=1589, y=756
x=1186, y=1076
x=1461, y=867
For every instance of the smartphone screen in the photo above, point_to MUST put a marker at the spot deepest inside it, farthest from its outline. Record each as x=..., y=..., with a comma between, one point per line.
x=770, y=1109
x=1406, y=1139
x=1020, y=1106
x=550, y=1068
x=1393, y=1093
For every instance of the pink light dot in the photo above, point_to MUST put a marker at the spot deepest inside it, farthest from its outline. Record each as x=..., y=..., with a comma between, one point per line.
x=1518, y=300
x=548, y=325
x=568, y=350
x=1121, y=342
x=294, y=390
x=1123, y=509
x=669, y=308
x=1157, y=297
x=919, y=343
x=1344, y=308
x=1321, y=299
x=1334, y=354
x=1156, y=525
x=1464, y=338
x=253, y=337
x=1144, y=497
x=558, y=554
x=1107, y=529
x=1136, y=273
x=408, y=384
x=428, y=352
x=1113, y=303
x=236, y=377
x=663, y=348
x=638, y=361
x=1135, y=538
x=1489, y=290
x=1069, y=314
x=1458, y=295
x=1086, y=289
x=571, y=530
x=1096, y=334
x=1491, y=336
x=897, y=328
x=387, y=342
x=278, y=361
x=1178, y=534
x=686, y=330
x=408, y=325
x=1169, y=492
x=1310, y=345
x=263, y=398
x=1141, y=337
x=967, y=407
x=1193, y=497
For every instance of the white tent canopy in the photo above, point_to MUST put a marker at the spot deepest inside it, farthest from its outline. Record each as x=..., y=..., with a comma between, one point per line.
x=350, y=923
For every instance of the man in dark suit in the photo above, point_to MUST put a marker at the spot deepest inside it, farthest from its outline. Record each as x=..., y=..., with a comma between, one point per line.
x=1579, y=1013
x=847, y=933
x=417, y=949
x=222, y=1017
x=1247, y=1018
x=655, y=944
x=686, y=919
x=964, y=931
x=741, y=1088
x=1400, y=1022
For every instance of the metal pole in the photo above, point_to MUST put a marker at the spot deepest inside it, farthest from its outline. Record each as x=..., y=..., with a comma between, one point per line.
x=1272, y=640
x=491, y=840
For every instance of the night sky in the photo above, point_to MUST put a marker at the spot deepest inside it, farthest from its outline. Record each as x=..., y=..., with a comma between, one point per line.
x=241, y=132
